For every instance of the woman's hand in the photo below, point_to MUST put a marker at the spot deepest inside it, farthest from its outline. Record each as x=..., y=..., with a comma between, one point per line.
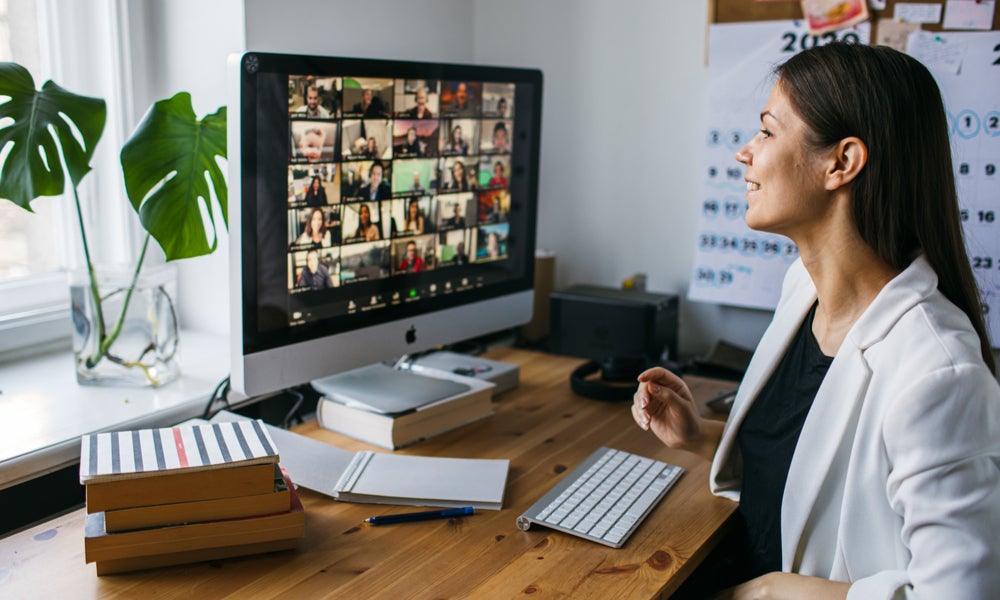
x=664, y=404
x=776, y=586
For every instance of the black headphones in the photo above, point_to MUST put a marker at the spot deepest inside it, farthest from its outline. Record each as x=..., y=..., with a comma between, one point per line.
x=617, y=382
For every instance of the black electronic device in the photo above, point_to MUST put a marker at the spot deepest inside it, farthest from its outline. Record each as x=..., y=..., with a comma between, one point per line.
x=378, y=208
x=623, y=332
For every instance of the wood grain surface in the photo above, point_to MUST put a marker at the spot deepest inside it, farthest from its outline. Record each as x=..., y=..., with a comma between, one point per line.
x=541, y=427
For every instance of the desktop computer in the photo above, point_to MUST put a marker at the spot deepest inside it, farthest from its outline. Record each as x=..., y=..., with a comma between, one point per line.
x=379, y=208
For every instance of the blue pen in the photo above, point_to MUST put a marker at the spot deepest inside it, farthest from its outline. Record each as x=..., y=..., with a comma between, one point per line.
x=421, y=516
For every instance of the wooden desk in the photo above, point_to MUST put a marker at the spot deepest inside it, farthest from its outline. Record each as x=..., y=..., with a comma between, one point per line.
x=541, y=427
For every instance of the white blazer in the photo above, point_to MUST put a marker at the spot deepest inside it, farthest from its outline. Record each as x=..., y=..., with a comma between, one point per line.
x=894, y=485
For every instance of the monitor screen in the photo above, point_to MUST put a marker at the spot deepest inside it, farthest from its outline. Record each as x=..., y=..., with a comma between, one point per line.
x=380, y=208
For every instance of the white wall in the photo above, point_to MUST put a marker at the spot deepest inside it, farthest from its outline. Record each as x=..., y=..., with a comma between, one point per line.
x=622, y=118
x=182, y=45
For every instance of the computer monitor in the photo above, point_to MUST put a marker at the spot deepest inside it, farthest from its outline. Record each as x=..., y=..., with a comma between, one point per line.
x=377, y=208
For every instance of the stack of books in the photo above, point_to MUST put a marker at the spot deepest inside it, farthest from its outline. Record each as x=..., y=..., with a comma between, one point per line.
x=158, y=497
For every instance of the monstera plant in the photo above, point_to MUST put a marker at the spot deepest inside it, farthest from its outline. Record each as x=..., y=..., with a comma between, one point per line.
x=169, y=164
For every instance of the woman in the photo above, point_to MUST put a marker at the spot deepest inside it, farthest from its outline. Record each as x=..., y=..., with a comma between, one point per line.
x=316, y=193
x=371, y=150
x=457, y=145
x=315, y=232
x=414, y=220
x=864, y=441
x=459, y=182
x=367, y=230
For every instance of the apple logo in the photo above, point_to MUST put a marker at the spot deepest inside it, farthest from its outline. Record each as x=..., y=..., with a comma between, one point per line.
x=411, y=335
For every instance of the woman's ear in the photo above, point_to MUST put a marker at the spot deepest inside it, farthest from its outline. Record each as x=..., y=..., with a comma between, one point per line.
x=848, y=159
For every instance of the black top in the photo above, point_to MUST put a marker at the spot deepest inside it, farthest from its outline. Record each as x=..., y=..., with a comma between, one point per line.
x=767, y=441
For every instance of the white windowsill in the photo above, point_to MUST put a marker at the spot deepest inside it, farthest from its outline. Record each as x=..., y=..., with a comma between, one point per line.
x=43, y=411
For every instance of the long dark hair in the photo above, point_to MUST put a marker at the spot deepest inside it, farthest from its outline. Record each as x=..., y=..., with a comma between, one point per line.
x=904, y=200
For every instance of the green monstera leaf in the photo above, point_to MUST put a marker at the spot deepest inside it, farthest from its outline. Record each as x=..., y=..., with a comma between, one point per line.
x=35, y=125
x=167, y=164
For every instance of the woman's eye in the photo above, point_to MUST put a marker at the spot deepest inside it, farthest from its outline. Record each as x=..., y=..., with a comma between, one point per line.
x=765, y=133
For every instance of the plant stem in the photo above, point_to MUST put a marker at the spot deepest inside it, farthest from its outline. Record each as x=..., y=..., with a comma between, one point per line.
x=92, y=276
x=107, y=341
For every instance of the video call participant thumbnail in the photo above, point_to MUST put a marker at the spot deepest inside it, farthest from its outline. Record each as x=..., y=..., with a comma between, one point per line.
x=496, y=137
x=461, y=98
x=493, y=171
x=313, y=97
x=414, y=138
x=371, y=98
x=459, y=137
x=314, y=274
x=414, y=177
x=361, y=222
x=312, y=224
x=365, y=262
x=376, y=188
x=491, y=242
x=422, y=104
x=313, y=141
x=411, y=261
x=457, y=177
x=366, y=139
x=451, y=248
x=494, y=206
x=453, y=210
x=498, y=100
x=315, y=187
x=412, y=216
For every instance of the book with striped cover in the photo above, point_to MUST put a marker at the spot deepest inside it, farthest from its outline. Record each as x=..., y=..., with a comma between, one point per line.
x=119, y=455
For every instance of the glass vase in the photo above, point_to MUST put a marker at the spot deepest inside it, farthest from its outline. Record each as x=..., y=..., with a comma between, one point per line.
x=137, y=345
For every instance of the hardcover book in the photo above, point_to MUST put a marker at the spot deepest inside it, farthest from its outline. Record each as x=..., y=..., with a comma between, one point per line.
x=128, y=469
x=101, y=545
x=177, y=513
x=344, y=414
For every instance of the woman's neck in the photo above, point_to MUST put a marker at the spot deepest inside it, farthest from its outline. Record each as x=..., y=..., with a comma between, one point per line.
x=848, y=276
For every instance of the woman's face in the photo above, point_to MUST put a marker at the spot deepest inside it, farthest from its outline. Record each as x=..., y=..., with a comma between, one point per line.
x=364, y=215
x=498, y=170
x=493, y=245
x=784, y=172
x=458, y=172
x=316, y=222
x=456, y=134
x=411, y=135
x=315, y=184
x=375, y=175
x=414, y=210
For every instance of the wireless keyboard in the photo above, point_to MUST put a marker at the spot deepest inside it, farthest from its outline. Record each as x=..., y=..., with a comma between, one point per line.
x=605, y=498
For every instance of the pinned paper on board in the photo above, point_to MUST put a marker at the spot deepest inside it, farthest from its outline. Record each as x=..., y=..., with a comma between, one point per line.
x=894, y=33
x=830, y=15
x=938, y=52
x=969, y=14
x=917, y=12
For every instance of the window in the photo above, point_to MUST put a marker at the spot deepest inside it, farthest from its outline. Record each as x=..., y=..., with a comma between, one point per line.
x=77, y=45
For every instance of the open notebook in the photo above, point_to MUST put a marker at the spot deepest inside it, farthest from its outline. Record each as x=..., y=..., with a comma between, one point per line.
x=385, y=478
